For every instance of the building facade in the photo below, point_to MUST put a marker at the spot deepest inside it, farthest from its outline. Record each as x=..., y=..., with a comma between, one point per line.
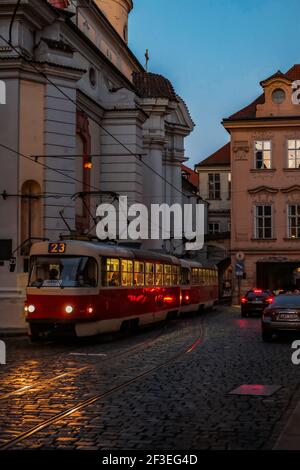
x=265, y=168
x=81, y=123
x=215, y=188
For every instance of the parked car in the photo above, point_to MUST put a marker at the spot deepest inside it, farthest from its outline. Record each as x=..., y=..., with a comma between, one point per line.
x=283, y=314
x=255, y=301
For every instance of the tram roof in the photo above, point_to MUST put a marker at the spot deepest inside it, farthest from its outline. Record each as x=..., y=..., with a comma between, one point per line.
x=91, y=248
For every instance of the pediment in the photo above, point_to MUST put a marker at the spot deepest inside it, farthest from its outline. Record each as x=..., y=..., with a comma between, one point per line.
x=261, y=189
x=290, y=189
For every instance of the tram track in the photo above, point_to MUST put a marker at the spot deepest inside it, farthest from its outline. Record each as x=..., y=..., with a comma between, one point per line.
x=41, y=386
x=188, y=348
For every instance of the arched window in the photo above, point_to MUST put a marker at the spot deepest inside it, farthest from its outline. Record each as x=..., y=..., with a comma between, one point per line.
x=83, y=150
x=31, y=215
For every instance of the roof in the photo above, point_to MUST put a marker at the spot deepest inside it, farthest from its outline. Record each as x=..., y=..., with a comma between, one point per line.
x=152, y=85
x=192, y=176
x=249, y=112
x=220, y=157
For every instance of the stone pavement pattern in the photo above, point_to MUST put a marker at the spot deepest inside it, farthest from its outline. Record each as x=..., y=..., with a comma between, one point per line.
x=185, y=405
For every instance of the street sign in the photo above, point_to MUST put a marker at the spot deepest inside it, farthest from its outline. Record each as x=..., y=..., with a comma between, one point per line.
x=12, y=264
x=239, y=268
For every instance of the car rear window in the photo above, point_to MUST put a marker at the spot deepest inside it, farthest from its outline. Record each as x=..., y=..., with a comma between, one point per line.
x=287, y=301
x=260, y=295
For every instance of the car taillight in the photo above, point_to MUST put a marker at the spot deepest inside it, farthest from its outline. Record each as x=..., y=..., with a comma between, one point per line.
x=269, y=312
x=244, y=300
x=257, y=291
x=269, y=300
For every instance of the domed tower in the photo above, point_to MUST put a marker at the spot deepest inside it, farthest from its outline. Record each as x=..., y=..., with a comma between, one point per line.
x=117, y=12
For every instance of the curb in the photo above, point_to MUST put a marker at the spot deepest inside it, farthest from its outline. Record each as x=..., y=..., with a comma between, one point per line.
x=12, y=332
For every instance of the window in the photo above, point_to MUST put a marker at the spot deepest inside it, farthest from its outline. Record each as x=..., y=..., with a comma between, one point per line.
x=262, y=154
x=111, y=272
x=294, y=153
x=195, y=276
x=213, y=228
x=278, y=96
x=263, y=222
x=214, y=186
x=60, y=271
x=159, y=270
x=185, y=276
x=294, y=221
x=167, y=274
x=175, y=275
x=149, y=274
x=201, y=276
x=127, y=272
x=138, y=279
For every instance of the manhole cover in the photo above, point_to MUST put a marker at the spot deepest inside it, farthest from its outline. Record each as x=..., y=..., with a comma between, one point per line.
x=255, y=389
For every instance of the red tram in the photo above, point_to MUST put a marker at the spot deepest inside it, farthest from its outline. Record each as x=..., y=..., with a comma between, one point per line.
x=86, y=288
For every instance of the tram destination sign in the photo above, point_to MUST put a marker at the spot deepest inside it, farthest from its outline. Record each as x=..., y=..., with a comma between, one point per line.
x=57, y=248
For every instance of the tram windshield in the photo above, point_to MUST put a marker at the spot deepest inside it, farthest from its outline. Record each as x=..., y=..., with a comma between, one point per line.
x=67, y=271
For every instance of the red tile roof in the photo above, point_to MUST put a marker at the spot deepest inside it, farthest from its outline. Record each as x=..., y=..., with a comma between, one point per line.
x=220, y=157
x=151, y=85
x=249, y=112
x=192, y=176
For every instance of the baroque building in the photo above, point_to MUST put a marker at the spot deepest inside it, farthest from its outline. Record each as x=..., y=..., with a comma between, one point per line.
x=265, y=202
x=82, y=122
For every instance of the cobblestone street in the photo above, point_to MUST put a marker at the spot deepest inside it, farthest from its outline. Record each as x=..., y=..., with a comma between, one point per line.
x=165, y=388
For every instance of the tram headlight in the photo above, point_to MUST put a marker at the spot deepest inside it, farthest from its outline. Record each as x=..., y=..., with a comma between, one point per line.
x=69, y=309
x=90, y=310
x=31, y=308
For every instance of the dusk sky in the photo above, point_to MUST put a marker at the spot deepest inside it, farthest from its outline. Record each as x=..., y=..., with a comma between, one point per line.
x=215, y=52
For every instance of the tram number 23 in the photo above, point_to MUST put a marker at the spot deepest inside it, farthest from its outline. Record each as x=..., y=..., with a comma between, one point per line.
x=57, y=248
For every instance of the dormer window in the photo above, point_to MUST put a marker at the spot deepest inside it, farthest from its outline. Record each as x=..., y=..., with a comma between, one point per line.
x=263, y=155
x=278, y=96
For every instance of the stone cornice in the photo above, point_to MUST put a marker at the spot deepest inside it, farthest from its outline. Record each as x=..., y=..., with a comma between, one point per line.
x=35, y=12
x=268, y=122
x=17, y=67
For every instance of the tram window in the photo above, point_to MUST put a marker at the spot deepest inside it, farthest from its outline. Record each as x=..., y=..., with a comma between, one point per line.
x=167, y=274
x=63, y=271
x=111, y=274
x=127, y=272
x=201, y=276
x=175, y=275
x=149, y=274
x=185, y=276
x=138, y=279
x=194, y=276
x=207, y=276
x=159, y=274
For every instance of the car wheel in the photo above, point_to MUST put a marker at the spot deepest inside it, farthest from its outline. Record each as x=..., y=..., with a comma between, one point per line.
x=266, y=336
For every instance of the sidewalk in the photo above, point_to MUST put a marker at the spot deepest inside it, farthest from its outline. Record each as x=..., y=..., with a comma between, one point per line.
x=289, y=438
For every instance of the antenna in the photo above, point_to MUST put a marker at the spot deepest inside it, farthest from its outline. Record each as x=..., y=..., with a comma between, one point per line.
x=147, y=59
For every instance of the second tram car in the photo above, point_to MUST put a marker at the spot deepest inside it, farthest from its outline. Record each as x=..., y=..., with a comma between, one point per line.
x=82, y=288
